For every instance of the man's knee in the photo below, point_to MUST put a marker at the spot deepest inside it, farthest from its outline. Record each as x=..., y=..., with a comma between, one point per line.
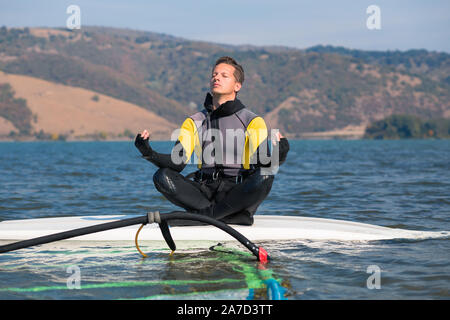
x=163, y=181
x=257, y=182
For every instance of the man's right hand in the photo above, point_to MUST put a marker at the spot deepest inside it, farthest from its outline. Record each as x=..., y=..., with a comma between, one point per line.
x=141, y=142
x=145, y=134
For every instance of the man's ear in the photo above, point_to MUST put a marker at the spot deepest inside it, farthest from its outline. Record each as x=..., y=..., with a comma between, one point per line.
x=237, y=87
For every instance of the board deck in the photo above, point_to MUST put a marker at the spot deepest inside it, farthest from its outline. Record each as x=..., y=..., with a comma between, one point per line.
x=265, y=227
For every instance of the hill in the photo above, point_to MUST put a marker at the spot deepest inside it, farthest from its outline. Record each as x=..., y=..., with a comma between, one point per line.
x=62, y=112
x=301, y=92
x=435, y=65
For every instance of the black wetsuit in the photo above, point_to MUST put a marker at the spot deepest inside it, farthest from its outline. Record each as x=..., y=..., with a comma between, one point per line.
x=231, y=199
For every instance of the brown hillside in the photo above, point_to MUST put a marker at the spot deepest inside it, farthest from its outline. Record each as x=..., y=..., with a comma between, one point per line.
x=301, y=92
x=6, y=127
x=81, y=114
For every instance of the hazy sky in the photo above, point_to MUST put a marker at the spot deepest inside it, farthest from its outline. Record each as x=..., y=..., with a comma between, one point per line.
x=405, y=24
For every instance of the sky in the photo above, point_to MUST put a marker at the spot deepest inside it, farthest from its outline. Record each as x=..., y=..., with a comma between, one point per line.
x=404, y=24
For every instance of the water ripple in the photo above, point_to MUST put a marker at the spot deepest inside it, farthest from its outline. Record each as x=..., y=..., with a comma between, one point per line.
x=399, y=184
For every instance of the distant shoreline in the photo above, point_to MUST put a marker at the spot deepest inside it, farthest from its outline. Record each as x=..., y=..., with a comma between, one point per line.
x=292, y=138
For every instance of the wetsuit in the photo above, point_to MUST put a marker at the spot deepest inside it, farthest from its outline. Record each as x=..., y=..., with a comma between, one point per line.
x=228, y=190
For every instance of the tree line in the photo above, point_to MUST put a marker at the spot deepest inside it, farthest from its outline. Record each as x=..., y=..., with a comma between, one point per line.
x=401, y=126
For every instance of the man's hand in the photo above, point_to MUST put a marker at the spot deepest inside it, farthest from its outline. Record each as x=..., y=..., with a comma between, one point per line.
x=145, y=135
x=141, y=142
x=278, y=137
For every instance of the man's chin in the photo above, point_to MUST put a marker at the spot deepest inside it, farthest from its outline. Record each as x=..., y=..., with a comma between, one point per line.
x=218, y=92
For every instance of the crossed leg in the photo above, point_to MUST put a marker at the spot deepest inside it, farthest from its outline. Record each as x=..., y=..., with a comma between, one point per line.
x=237, y=205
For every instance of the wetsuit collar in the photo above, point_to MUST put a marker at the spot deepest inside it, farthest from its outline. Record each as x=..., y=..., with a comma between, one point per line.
x=225, y=109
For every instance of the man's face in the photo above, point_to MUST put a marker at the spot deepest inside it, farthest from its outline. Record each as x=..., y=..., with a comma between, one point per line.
x=223, y=81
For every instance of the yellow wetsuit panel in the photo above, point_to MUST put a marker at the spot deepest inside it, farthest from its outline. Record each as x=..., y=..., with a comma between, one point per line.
x=256, y=134
x=188, y=137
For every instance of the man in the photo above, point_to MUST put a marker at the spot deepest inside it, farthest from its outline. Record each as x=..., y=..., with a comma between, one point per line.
x=232, y=179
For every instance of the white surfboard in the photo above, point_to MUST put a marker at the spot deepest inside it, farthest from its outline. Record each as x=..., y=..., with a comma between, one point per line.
x=265, y=227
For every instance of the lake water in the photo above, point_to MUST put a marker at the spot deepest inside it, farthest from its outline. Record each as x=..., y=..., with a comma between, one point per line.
x=401, y=184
